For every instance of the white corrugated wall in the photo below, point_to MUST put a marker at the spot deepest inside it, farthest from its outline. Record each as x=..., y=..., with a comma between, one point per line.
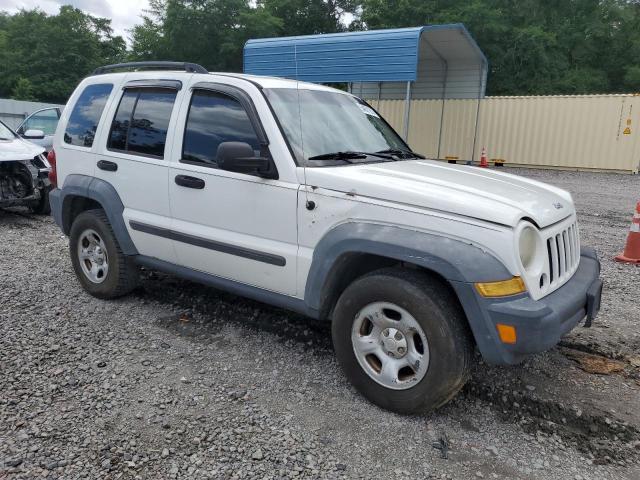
x=600, y=132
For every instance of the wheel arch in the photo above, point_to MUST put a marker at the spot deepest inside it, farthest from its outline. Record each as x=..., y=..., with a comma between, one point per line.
x=351, y=250
x=80, y=193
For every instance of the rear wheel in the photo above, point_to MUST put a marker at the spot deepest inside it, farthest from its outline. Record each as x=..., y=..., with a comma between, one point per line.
x=402, y=340
x=101, y=267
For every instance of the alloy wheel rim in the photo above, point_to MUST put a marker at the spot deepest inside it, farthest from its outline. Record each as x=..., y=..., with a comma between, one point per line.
x=390, y=345
x=92, y=256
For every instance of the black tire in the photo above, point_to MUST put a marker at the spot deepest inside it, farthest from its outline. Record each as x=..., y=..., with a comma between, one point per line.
x=42, y=206
x=437, y=311
x=122, y=275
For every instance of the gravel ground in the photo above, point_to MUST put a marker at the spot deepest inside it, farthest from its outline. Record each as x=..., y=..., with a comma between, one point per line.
x=178, y=380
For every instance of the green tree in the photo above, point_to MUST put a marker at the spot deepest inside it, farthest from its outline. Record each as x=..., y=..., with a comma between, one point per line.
x=632, y=77
x=209, y=32
x=533, y=46
x=306, y=17
x=147, y=38
x=23, y=90
x=54, y=51
x=213, y=32
x=624, y=55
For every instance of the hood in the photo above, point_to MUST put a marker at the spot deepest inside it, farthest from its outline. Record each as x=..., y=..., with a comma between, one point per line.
x=18, y=149
x=470, y=191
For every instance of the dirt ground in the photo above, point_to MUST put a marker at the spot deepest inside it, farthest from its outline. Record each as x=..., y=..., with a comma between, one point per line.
x=179, y=380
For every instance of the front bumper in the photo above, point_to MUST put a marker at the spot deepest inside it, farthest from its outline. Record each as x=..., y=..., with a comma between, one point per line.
x=39, y=183
x=539, y=324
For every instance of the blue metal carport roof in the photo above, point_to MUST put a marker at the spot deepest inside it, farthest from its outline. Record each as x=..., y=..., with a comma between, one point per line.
x=367, y=56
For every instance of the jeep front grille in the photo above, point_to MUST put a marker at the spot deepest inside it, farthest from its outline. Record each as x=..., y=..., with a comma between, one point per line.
x=563, y=252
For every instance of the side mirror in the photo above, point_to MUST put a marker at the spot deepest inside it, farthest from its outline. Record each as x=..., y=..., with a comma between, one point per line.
x=240, y=157
x=33, y=134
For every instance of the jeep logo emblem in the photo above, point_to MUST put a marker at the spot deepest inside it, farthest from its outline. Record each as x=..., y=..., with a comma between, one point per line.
x=558, y=205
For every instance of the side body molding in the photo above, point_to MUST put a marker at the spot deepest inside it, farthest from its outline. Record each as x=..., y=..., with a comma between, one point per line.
x=454, y=260
x=102, y=192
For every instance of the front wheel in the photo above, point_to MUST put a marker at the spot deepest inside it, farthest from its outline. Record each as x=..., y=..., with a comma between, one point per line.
x=402, y=340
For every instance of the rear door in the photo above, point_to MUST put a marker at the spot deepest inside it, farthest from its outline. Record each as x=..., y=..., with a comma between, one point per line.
x=232, y=225
x=133, y=156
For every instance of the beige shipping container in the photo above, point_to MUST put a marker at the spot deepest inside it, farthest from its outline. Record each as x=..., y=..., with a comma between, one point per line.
x=586, y=132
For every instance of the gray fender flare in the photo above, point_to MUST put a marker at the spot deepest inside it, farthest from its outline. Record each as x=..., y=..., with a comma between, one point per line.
x=102, y=192
x=459, y=263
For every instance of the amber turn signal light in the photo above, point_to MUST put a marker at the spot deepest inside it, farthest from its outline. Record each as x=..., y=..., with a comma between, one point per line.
x=502, y=288
x=507, y=333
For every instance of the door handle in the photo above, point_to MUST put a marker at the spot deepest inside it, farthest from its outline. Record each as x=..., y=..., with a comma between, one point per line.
x=189, y=182
x=107, y=165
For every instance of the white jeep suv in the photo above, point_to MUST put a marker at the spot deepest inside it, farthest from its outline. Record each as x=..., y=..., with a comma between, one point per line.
x=302, y=196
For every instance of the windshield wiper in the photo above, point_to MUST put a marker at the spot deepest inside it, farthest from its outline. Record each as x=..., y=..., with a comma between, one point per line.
x=349, y=155
x=401, y=153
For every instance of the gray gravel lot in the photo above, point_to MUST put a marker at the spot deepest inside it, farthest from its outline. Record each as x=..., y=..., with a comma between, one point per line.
x=178, y=380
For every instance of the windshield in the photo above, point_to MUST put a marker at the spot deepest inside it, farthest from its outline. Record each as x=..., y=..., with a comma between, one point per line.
x=6, y=133
x=326, y=122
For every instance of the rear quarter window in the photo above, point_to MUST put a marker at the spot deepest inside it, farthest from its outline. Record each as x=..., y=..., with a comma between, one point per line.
x=83, y=121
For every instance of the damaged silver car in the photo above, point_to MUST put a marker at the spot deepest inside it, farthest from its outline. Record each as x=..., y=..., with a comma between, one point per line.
x=24, y=172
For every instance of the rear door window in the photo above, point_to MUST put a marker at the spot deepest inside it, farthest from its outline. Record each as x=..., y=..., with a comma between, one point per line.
x=83, y=121
x=122, y=121
x=141, y=122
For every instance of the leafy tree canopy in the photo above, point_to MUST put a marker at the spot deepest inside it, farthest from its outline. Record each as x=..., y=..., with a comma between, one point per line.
x=52, y=53
x=536, y=46
x=533, y=46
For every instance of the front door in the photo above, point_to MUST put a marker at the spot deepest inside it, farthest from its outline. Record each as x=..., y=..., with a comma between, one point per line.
x=232, y=225
x=45, y=120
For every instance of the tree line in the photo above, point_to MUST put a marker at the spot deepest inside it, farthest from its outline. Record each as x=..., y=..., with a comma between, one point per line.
x=534, y=46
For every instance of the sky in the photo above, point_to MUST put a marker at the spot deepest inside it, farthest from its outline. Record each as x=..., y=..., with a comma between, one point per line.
x=123, y=13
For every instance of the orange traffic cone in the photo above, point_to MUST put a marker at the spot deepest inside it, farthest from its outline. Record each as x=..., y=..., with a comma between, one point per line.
x=483, y=159
x=631, y=252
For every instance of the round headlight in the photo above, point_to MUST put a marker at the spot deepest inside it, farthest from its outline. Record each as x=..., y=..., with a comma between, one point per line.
x=527, y=247
x=530, y=248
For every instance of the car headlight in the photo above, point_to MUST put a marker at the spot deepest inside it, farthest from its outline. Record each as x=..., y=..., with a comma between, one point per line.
x=530, y=248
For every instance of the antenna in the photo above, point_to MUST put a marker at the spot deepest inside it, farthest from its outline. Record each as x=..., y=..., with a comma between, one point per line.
x=304, y=162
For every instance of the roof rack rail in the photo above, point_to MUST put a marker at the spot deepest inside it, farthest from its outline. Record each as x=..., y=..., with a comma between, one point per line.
x=186, y=66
